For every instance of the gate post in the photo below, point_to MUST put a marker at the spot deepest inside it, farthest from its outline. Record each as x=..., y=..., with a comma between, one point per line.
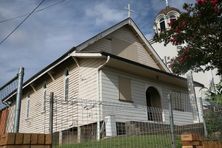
x=171, y=121
x=18, y=99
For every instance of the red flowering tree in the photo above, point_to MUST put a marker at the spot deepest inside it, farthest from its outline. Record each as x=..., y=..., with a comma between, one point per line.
x=198, y=31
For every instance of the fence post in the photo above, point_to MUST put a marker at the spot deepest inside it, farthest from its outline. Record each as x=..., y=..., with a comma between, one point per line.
x=171, y=121
x=51, y=115
x=192, y=96
x=204, y=123
x=18, y=99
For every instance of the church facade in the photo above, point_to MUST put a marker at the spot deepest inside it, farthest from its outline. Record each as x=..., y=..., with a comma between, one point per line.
x=117, y=66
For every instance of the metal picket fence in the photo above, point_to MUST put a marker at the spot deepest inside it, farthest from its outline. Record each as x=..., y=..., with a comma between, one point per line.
x=9, y=87
x=81, y=123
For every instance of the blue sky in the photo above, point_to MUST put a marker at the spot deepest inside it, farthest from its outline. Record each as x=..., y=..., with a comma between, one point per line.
x=46, y=35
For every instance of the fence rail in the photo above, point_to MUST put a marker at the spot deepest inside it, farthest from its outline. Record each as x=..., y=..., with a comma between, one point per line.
x=91, y=123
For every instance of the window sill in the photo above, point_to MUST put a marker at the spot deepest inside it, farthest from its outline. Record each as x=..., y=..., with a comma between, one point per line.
x=64, y=102
x=127, y=101
x=180, y=110
x=42, y=112
x=27, y=119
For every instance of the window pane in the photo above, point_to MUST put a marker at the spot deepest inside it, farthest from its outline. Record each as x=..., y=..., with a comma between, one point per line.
x=162, y=26
x=177, y=101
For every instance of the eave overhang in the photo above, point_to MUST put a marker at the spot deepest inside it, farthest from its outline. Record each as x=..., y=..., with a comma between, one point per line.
x=138, y=69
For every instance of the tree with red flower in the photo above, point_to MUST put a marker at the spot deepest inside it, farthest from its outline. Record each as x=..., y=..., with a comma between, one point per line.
x=199, y=31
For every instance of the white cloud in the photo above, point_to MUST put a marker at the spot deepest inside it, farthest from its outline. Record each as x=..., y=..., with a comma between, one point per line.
x=149, y=36
x=103, y=14
x=19, y=37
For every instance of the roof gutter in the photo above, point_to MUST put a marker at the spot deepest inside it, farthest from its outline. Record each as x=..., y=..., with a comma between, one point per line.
x=87, y=55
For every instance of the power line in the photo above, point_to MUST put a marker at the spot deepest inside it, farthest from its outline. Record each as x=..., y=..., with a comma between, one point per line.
x=23, y=15
x=21, y=22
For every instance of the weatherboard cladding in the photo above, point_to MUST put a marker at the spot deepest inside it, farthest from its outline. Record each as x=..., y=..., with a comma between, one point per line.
x=137, y=111
x=123, y=111
x=124, y=43
x=37, y=118
x=88, y=89
x=88, y=78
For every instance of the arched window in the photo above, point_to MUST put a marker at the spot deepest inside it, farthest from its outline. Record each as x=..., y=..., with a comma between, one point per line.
x=44, y=98
x=66, y=85
x=162, y=24
x=27, y=107
x=153, y=101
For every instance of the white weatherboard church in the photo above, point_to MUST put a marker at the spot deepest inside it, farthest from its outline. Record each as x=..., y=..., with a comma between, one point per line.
x=118, y=66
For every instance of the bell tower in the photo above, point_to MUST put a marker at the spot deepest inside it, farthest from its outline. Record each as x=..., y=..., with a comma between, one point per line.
x=164, y=17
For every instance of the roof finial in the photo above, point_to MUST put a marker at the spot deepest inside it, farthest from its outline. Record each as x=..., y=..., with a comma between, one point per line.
x=129, y=10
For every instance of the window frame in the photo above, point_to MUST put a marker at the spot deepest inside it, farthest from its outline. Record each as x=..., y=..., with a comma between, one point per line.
x=128, y=99
x=177, y=102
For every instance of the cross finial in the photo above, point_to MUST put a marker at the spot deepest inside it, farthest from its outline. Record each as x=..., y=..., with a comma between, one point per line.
x=167, y=3
x=129, y=10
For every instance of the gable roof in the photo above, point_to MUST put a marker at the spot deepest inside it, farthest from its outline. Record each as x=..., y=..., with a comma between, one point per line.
x=135, y=28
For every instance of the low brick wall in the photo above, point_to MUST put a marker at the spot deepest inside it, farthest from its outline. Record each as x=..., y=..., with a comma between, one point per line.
x=193, y=140
x=25, y=140
x=212, y=144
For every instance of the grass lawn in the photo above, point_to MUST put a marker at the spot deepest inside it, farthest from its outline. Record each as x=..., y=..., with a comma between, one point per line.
x=141, y=141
